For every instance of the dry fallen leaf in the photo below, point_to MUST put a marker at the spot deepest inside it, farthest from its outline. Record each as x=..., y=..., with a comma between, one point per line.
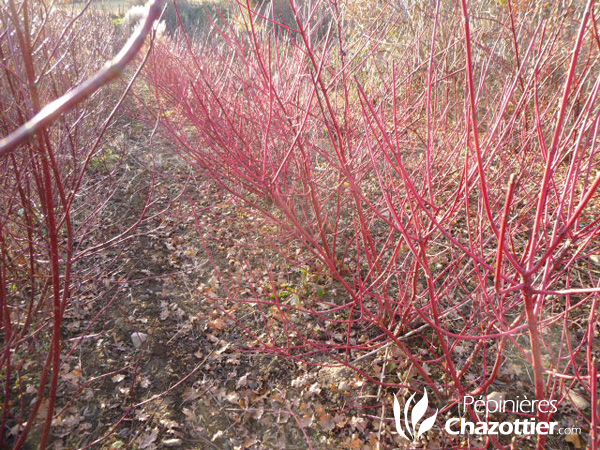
x=314, y=389
x=306, y=420
x=578, y=400
x=353, y=443
x=118, y=378
x=190, y=416
x=217, y=435
x=326, y=421
x=575, y=440
x=145, y=440
x=341, y=420
x=242, y=382
x=232, y=397
x=217, y=324
x=494, y=400
x=190, y=394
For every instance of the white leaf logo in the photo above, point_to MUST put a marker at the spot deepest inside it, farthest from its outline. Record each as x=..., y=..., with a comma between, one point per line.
x=427, y=425
x=416, y=415
x=397, y=417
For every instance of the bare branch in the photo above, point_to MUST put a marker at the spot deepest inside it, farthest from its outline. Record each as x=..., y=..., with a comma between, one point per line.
x=112, y=70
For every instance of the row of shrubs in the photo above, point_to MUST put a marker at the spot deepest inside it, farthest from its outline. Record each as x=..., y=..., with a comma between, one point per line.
x=438, y=163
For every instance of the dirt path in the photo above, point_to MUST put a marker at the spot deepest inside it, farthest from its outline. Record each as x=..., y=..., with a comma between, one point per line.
x=176, y=370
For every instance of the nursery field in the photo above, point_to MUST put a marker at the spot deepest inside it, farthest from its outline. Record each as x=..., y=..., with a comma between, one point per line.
x=117, y=7
x=300, y=224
